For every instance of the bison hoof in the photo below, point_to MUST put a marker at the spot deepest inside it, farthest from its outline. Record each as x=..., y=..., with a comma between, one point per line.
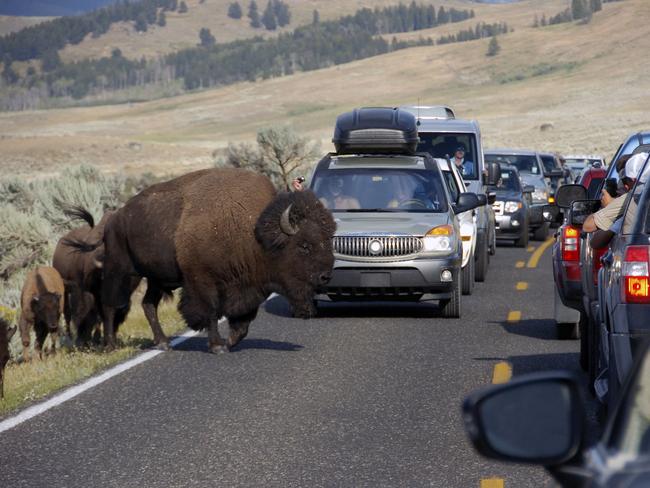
x=219, y=349
x=162, y=346
x=304, y=313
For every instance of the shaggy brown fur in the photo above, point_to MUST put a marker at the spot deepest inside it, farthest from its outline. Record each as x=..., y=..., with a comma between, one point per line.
x=41, y=307
x=6, y=334
x=216, y=233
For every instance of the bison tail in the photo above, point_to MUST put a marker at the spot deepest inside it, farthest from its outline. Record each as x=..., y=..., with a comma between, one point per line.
x=77, y=212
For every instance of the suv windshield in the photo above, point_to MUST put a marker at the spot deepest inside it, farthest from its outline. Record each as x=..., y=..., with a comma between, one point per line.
x=509, y=181
x=449, y=146
x=549, y=163
x=524, y=163
x=381, y=190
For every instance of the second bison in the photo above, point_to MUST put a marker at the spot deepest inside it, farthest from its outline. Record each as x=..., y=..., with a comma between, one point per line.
x=228, y=239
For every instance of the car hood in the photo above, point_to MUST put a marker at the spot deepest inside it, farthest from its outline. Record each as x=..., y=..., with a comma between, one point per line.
x=380, y=223
x=508, y=195
x=535, y=180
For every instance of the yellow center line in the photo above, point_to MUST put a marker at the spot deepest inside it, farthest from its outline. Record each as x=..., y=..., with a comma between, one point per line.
x=514, y=316
x=534, y=259
x=530, y=248
x=502, y=373
x=520, y=264
x=522, y=285
x=492, y=483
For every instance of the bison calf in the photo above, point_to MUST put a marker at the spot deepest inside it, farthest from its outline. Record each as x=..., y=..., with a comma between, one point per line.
x=6, y=334
x=42, y=305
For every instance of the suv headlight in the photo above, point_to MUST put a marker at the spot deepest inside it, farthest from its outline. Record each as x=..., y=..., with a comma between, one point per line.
x=439, y=239
x=512, y=207
x=540, y=194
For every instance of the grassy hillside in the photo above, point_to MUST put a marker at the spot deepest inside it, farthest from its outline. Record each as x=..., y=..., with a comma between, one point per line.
x=584, y=79
x=10, y=24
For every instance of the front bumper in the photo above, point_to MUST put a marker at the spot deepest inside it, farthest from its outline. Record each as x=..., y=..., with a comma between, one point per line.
x=413, y=279
x=536, y=214
x=510, y=226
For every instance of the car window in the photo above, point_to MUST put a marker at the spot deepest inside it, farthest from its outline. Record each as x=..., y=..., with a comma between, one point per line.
x=549, y=163
x=508, y=181
x=524, y=163
x=631, y=435
x=454, y=192
x=444, y=145
x=381, y=189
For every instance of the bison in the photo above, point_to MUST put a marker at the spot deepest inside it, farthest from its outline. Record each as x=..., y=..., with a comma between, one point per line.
x=41, y=307
x=227, y=238
x=6, y=334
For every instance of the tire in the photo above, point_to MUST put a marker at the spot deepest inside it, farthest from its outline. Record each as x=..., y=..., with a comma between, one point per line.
x=523, y=240
x=481, y=265
x=468, y=277
x=566, y=332
x=583, y=327
x=541, y=233
x=450, y=308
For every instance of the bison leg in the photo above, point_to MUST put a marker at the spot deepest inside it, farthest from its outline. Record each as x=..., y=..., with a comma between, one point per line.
x=216, y=344
x=41, y=334
x=150, y=306
x=109, y=331
x=24, y=337
x=239, y=327
x=54, y=338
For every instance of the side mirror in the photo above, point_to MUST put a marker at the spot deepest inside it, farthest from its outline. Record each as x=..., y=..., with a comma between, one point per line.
x=567, y=194
x=491, y=197
x=550, y=212
x=528, y=189
x=482, y=199
x=466, y=201
x=494, y=173
x=536, y=418
x=581, y=209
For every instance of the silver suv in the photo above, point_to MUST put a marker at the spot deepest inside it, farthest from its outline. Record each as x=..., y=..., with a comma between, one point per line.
x=397, y=235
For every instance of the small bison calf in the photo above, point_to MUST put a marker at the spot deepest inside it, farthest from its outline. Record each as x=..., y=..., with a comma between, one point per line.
x=6, y=334
x=42, y=306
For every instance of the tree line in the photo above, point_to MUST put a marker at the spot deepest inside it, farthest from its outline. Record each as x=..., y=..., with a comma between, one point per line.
x=479, y=32
x=578, y=10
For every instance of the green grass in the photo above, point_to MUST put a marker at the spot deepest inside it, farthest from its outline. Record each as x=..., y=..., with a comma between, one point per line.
x=536, y=70
x=36, y=379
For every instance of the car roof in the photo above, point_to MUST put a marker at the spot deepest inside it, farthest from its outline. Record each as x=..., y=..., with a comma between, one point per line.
x=509, y=151
x=448, y=125
x=335, y=161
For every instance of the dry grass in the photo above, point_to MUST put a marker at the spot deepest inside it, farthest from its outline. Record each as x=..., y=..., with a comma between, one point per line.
x=586, y=80
x=10, y=23
x=27, y=382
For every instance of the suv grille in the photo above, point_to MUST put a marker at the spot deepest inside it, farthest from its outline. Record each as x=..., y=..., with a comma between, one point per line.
x=498, y=207
x=388, y=245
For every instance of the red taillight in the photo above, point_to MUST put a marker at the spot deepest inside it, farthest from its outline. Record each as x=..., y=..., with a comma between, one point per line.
x=636, y=279
x=570, y=243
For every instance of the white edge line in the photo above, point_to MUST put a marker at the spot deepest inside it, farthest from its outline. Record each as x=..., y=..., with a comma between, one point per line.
x=72, y=392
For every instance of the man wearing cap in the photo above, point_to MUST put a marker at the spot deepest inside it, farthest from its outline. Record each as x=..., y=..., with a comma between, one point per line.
x=613, y=208
x=466, y=168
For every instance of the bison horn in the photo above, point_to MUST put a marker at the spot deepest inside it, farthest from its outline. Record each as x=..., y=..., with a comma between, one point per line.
x=285, y=225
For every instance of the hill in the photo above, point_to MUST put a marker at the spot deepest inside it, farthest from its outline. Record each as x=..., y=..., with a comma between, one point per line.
x=13, y=24
x=593, y=92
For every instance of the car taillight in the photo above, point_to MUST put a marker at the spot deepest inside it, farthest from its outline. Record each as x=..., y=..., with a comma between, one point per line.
x=570, y=243
x=636, y=279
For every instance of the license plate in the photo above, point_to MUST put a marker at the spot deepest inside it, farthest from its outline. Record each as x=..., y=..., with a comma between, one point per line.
x=375, y=279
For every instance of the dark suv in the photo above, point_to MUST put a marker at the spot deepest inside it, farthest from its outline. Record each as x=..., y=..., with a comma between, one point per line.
x=512, y=205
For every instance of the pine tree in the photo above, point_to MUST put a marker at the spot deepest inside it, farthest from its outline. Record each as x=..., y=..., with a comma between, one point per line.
x=493, y=47
x=543, y=21
x=234, y=10
x=141, y=23
x=182, y=9
x=162, y=19
x=268, y=17
x=579, y=9
x=315, y=18
x=596, y=5
x=282, y=12
x=8, y=73
x=50, y=60
x=206, y=38
x=254, y=15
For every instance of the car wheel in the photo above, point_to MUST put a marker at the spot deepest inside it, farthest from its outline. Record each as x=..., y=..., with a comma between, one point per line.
x=480, y=271
x=523, y=240
x=468, y=277
x=450, y=308
x=583, y=328
x=541, y=233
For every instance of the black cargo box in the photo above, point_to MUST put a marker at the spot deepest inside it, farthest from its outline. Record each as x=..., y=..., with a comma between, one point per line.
x=376, y=131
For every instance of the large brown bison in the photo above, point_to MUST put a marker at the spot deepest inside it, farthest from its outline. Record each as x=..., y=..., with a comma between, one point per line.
x=41, y=304
x=6, y=334
x=228, y=239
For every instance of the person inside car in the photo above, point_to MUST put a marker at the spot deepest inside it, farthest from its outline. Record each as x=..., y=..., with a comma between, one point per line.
x=466, y=168
x=335, y=199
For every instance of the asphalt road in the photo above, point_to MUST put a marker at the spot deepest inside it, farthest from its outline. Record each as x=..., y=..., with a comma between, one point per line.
x=366, y=395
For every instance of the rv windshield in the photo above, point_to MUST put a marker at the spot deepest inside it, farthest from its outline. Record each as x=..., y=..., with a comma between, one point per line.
x=451, y=146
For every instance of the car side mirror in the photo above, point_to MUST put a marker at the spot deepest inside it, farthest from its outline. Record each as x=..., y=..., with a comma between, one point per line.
x=581, y=209
x=482, y=199
x=494, y=173
x=536, y=418
x=550, y=212
x=528, y=189
x=491, y=197
x=466, y=201
x=567, y=194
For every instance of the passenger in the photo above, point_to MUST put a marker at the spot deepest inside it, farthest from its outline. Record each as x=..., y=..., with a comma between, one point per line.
x=466, y=168
x=612, y=208
x=402, y=194
x=336, y=200
x=297, y=183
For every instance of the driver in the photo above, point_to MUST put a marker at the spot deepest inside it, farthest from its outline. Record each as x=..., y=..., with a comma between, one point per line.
x=335, y=199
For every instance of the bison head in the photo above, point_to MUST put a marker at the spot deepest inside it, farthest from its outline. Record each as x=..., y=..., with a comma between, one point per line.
x=296, y=231
x=47, y=309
